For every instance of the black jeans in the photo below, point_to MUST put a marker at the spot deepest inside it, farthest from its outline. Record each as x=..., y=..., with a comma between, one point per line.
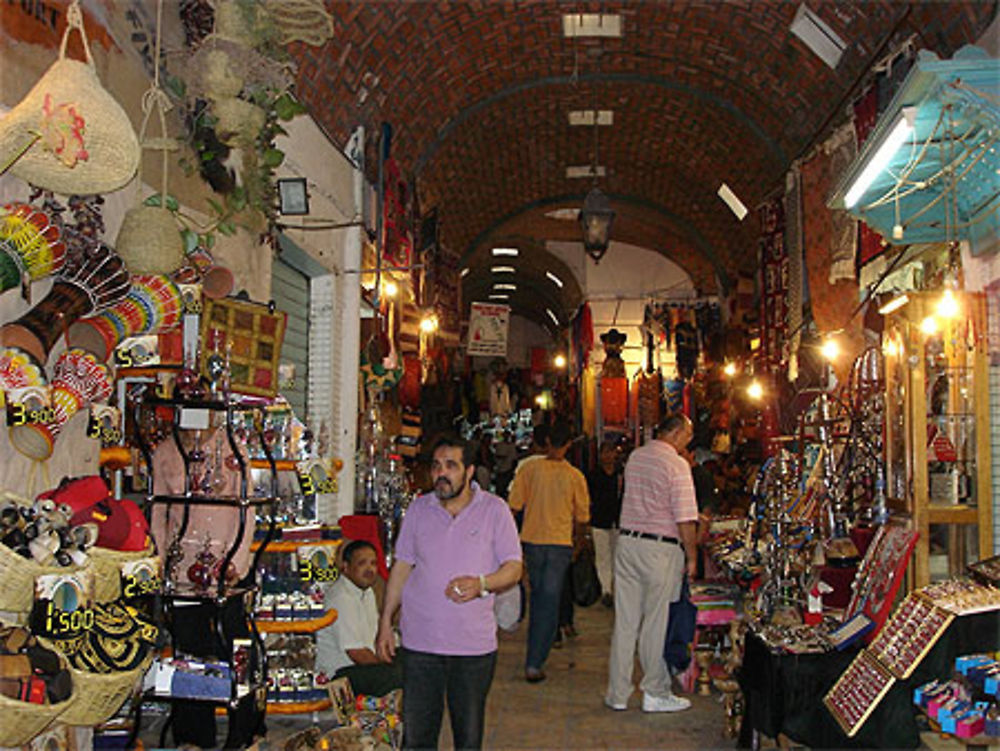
x=428, y=679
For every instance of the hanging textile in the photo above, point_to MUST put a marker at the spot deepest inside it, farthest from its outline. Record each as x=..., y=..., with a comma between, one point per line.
x=832, y=304
x=588, y=401
x=793, y=247
x=774, y=283
x=843, y=243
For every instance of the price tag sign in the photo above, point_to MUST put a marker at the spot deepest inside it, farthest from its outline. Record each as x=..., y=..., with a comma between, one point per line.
x=62, y=608
x=102, y=424
x=30, y=405
x=317, y=476
x=141, y=578
x=190, y=299
x=317, y=564
x=138, y=352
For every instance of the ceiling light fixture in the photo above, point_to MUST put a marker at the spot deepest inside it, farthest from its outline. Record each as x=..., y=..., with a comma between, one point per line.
x=499, y=297
x=505, y=251
x=596, y=216
x=578, y=171
x=732, y=201
x=503, y=269
x=553, y=316
x=899, y=134
x=566, y=214
x=586, y=117
x=463, y=273
x=554, y=279
x=818, y=36
x=511, y=287
x=592, y=25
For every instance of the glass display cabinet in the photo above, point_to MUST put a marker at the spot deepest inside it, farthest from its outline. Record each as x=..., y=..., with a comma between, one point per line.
x=937, y=430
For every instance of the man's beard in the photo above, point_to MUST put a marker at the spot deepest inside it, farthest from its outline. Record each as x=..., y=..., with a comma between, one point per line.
x=444, y=495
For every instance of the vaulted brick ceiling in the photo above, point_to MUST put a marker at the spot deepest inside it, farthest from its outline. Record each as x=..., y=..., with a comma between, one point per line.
x=478, y=93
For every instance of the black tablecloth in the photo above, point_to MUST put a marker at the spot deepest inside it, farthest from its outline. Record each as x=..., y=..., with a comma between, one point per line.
x=784, y=693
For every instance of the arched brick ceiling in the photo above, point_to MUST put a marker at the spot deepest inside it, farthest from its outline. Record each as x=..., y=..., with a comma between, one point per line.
x=702, y=92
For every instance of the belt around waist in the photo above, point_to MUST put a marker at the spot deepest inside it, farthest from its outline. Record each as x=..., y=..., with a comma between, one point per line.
x=649, y=536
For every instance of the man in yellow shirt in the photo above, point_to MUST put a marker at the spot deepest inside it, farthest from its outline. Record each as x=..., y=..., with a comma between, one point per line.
x=553, y=494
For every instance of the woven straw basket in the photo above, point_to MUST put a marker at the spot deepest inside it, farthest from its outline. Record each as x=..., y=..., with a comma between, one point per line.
x=71, y=86
x=17, y=580
x=20, y=721
x=149, y=241
x=97, y=696
x=106, y=565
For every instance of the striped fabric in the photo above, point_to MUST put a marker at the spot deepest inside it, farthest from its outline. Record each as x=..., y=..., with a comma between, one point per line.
x=659, y=491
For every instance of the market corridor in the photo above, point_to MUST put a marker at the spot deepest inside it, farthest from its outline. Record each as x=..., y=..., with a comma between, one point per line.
x=566, y=711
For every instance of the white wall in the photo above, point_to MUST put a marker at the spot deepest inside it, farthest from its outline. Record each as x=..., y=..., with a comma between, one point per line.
x=618, y=292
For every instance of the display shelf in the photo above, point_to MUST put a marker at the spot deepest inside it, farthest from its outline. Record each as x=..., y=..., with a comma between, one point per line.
x=188, y=593
x=290, y=546
x=938, y=513
x=296, y=627
x=213, y=500
x=298, y=707
x=281, y=465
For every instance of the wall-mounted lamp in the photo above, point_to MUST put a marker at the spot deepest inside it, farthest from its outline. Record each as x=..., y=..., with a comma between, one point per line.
x=755, y=391
x=429, y=324
x=729, y=369
x=948, y=306
x=901, y=130
x=559, y=361
x=293, y=196
x=830, y=349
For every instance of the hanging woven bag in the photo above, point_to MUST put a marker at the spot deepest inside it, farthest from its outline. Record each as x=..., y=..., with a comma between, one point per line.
x=69, y=135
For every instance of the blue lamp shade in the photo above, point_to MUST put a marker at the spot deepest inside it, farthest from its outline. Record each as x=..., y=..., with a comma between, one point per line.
x=930, y=171
x=596, y=218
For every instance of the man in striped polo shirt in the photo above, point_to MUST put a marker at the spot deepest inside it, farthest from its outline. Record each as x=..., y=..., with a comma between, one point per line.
x=656, y=545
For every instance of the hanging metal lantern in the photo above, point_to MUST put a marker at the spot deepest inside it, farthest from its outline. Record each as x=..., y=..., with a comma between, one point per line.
x=596, y=218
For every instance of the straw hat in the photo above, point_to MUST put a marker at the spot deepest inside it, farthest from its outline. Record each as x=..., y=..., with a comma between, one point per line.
x=69, y=135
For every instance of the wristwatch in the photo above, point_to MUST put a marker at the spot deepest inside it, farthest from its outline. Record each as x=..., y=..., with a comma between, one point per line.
x=483, y=590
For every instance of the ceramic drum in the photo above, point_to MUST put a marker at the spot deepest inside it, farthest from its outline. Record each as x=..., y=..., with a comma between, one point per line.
x=152, y=305
x=31, y=245
x=78, y=380
x=92, y=279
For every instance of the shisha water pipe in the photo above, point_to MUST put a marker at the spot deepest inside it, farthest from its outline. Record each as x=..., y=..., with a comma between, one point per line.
x=867, y=442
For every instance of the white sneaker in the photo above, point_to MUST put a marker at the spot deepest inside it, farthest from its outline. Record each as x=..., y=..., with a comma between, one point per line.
x=615, y=705
x=664, y=704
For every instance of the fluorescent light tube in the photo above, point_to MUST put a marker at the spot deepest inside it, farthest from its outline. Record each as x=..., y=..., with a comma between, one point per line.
x=732, y=201
x=899, y=134
x=499, y=297
x=894, y=304
x=503, y=269
x=505, y=251
x=464, y=272
x=554, y=279
x=511, y=287
x=552, y=315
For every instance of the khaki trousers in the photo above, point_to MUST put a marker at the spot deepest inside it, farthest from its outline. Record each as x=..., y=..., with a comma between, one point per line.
x=648, y=576
x=604, y=556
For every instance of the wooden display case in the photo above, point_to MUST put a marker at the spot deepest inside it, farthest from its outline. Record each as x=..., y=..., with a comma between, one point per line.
x=937, y=432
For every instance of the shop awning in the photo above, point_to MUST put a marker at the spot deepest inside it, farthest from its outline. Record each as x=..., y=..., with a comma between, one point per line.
x=942, y=178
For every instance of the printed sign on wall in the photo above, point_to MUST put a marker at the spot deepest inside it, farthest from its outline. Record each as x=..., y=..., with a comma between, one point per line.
x=488, y=329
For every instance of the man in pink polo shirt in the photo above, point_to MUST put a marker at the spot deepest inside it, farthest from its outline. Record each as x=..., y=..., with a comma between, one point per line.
x=656, y=544
x=458, y=545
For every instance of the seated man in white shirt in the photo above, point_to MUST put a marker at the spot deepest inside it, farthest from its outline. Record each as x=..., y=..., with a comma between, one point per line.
x=347, y=646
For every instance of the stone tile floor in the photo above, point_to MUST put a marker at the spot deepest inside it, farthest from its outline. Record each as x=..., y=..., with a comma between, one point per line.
x=566, y=711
